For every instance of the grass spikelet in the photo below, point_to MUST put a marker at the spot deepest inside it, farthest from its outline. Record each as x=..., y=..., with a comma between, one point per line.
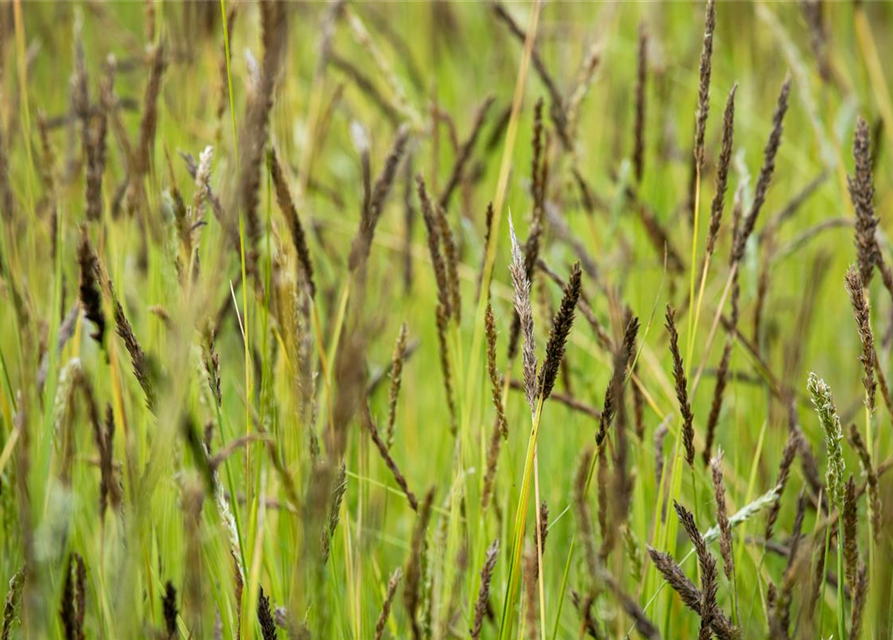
x=606, y=527
x=296, y=229
x=434, y=241
x=689, y=593
x=96, y=151
x=412, y=593
x=446, y=367
x=13, y=597
x=339, y=488
x=463, y=155
x=169, y=610
x=211, y=360
x=639, y=120
x=396, y=379
x=722, y=517
x=138, y=358
x=707, y=564
x=493, y=372
x=451, y=254
x=89, y=287
x=818, y=577
x=524, y=311
x=872, y=479
x=688, y=433
x=274, y=35
x=538, y=178
x=388, y=459
x=377, y=196
x=766, y=171
x=149, y=122
x=622, y=358
x=393, y=583
x=861, y=188
x=584, y=517
x=500, y=424
x=482, y=603
x=587, y=622
x=824, y=405
x=784, y=470
x=409, y=217
x=860, y=598
x=850, y=543
x=862, y=313
x=265, y=617
x=561, y=328
x=722, y=170
x=73, y=598
x=109, y=488
x=704, y=71
x=818, y=36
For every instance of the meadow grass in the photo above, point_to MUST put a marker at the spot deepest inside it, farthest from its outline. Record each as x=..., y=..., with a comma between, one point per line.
x=411, y=320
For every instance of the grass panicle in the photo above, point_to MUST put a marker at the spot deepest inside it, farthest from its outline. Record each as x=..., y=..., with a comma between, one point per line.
x=393, y=583
x=722, y=517
x=861, y=188
x=722, y=171
x=823, y=401
x=169, y=610
x=296, y=229
x=412, y=588
x=870, y=472
x=764, y=180
x=781, y=480
x=689, y=593
x=482, y=603
x=561, y=328
x=524, y=311
x=681, y=388
x=849, y=517
x=705, y=69
x=90, y=287
x=623, y=357
x=707, y=566
x=639, y=118
x=862, y=313
x=396, y=374
x=388, y=459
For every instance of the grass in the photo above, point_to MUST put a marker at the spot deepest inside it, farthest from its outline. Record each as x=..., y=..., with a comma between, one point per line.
x=227, y=500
